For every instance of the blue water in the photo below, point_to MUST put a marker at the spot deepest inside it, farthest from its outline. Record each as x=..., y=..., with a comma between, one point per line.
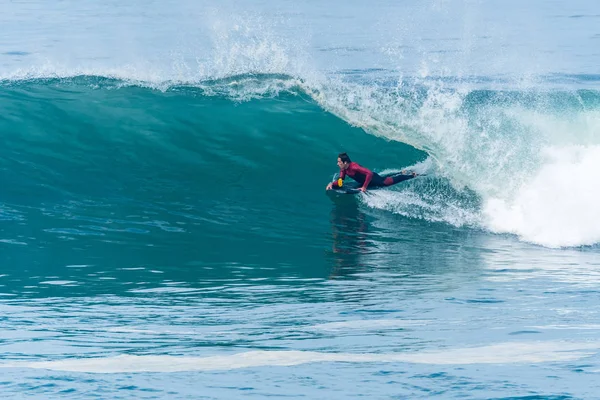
x=165, y=232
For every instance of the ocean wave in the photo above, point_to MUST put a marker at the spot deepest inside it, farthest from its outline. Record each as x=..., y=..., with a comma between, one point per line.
x=509, y=161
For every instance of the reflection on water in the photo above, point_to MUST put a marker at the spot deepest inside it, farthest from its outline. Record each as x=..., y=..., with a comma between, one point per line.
x=365, y=239
x=349, y=231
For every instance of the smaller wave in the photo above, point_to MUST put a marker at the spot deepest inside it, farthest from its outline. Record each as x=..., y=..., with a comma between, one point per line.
x=512, y=352
x=60, y=283
x=369, y=325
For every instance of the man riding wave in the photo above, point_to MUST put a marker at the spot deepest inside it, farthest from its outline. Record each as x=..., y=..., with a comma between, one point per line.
x=364, y=176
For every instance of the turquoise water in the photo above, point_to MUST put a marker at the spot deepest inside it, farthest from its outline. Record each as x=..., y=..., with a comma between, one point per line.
x=165, y=232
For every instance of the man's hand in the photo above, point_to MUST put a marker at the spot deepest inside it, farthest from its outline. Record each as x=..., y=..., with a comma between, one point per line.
x=362, y=189
x=329, y=187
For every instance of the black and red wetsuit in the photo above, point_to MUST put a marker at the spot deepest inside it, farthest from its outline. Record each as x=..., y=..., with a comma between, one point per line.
x=368, y=178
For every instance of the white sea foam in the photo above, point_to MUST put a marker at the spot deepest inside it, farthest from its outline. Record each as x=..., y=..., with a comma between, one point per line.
x=503, y=353
x=559, y=205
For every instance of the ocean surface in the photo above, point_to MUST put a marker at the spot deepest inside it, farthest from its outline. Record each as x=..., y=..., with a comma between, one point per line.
x=165, y=232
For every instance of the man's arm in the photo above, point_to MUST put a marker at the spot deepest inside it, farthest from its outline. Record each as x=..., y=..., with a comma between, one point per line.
x=367, y=173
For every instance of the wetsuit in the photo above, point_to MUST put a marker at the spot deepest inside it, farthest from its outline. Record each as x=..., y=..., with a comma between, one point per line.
x=368, y=178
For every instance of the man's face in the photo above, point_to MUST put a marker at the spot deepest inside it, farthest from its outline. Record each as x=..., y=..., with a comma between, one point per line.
x=341, y=164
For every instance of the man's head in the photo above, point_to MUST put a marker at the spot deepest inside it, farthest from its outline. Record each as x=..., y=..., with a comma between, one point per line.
x=343, y=161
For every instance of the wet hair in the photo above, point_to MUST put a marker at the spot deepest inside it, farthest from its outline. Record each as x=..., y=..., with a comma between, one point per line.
x=344, y=157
